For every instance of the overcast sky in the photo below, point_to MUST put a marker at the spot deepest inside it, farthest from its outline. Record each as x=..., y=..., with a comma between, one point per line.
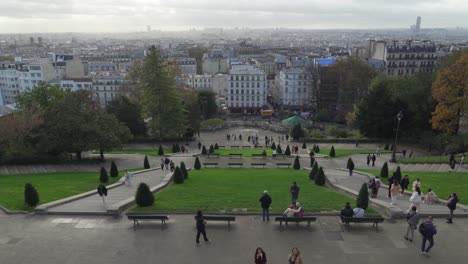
x=133, y=15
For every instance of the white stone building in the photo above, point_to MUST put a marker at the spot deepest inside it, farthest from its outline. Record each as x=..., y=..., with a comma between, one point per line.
x=293, y=88
x=77, y=84
x=246, y=89
x=187, y=65
x=199, y=82
x=108, y=86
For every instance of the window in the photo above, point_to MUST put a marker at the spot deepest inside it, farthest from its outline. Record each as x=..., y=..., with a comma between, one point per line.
x=232, y=85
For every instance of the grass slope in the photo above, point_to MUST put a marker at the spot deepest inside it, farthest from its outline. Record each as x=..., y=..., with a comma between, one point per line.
x=213, y=190
x=149, y=152
x=429, y=159
x=244, y=152
x=348, y=152
x=442, y=183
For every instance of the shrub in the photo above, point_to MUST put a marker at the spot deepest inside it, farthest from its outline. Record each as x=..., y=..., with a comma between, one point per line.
x=363, y=197
x=386, y=147
x=278, y=149
x=31, y=197
x=184, y=170
x=264, y=154
x=146, y=164
x=287, y=151
x=177, y=147
x=332, y=152
x=350, y=164
x=203, y=151
x=178, y=176
x=384, y=170
x=144, y=196
x=197, y=164
x=312, y=160
x=318, y=149
x=273, y=146
x=304, y=146
x=103, y=178
x=114, y=172
x=216, y=146
x=211, y=122
x=320, y=178
x=297, y=164
x=160, y=151
x=211, y=149
x=398, y=172
x=174, y=148
x=315, y=133
x=297, y=132
x=314, y=171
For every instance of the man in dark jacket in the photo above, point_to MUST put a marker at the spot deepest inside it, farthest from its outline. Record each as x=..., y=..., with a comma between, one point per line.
x=428, y=235
x=347, y=211
x=102, y=191
x=265, y=201
x=294, y=190
x=373, y=160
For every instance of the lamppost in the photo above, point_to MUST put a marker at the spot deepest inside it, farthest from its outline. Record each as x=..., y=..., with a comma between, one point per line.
x=399, y=116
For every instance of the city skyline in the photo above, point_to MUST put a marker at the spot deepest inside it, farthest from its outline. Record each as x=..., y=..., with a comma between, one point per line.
x=124, y=16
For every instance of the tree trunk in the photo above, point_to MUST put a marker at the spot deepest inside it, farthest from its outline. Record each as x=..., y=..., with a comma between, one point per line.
x=101, y=152
x=78, y=155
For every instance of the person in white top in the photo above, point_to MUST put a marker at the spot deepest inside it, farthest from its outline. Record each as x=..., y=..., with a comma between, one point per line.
x=358, y=211
x=415, y=199
x=290, y=211
x=462, y=161
x=416, y=183
x=128, y=178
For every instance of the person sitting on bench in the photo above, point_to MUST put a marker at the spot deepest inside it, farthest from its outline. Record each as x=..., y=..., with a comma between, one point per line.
x=299, y=211
x=358, y=211
x=347, y=211
x=294, y=211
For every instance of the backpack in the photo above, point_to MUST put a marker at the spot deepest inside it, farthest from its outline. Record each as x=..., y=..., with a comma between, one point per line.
x=422, y=229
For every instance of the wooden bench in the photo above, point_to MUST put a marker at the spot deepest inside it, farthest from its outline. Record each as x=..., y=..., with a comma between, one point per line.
x=213, y=155
x=257, y=155
x=235, y=155
x=284, y=219
x=274, y=155
x=283, y=164
x=214, y=164
x=135, y=217
x=375, y=220
x=220, y=218
x=234, y=147
x=235, y=164
x=258, y=164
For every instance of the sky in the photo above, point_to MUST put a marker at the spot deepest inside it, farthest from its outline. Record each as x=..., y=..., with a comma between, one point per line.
x=29, y=16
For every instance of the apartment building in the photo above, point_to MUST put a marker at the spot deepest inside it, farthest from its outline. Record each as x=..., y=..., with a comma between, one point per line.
x=107, y=86
x=246, y=89
x=294, y=88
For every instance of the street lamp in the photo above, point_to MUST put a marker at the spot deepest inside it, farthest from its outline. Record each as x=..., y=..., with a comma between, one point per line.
x=399, y=116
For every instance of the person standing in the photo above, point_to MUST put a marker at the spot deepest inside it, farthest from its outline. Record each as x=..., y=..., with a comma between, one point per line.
x=462, y=161
x=431, y=197
x=415, y=199
x=404, y=184
x=416, y=183
x=162, y=164
x=373, y=160
x=368, y=159
x=394, y=191
x=294, y=190
x=102, y=191
x=199, y=144
x=413, y=219
x=128, y=177
x=260, y=256
x=428, y=232
x=265, y=202
x=295, y=257
x=350, y=167
x=452, y=205
x=378, y=183
x=201, y=222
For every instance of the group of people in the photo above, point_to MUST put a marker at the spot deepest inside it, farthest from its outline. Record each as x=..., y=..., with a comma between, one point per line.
x=347, y=211
x=167, y=164
x=453, y=162
x=294, y=209
x=294, y=258
x=370, y=158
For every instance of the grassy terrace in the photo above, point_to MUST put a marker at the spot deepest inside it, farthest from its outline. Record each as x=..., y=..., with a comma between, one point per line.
x=244, y=152
x=238, y=190
x=50, y=186
x=347, y=152
x=429, y=159
x=149, y=152
x=442, y=183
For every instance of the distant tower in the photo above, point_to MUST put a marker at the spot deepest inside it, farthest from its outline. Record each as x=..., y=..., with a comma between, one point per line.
x=418, y=24
x=148, y=28
x=31, y=40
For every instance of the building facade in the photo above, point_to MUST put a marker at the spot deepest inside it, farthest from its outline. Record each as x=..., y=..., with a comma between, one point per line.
x=294, y=88
x=247, y=86
x=106, y=87
x=199, y=82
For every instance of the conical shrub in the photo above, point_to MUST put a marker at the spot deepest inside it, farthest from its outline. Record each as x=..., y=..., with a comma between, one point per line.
x=103, y=178
x=304, y=146
x=197, y=164
x=384, y=170
x=297, y=164
x=146, y=164
x=363, y=197
x=184, y=170
x=160, y=151
x=216, y=146
x=114, y=172
x=31, y=197
x=144, y=197
x=211, y=149
x=273, y=146
x=332, y=152
x=320, y=178
x=278, y=149
x=287, y=151
x=204, y=152
x=178, y=176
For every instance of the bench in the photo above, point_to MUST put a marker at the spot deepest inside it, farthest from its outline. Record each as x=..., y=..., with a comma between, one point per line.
x=258, y=164
x=283, y=164
x=214, y=164
x=235, y=147
x=274, y=155
x=367, y=219
x=257, y=155
x=213, y=155
x=220, y=218
x=245, y=147
x=136, y=217
x=235, y=155
x=284, y=219
x=235, y=164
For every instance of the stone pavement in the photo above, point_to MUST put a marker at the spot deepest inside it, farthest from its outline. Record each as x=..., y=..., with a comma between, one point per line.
x=69, y=240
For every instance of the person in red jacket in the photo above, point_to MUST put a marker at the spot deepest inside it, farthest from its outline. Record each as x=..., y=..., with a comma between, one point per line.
x=260, y=256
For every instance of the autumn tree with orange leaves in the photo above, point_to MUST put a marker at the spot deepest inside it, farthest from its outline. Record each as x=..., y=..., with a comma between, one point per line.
x=450, y=89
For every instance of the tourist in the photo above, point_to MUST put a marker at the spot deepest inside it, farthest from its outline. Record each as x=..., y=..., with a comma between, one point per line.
x=394, y=192
x=347, y=211
x=182, y=149
x=368, y=159
x=128, y=178
x=415, y=199
x=290, y=211
x=298, y=211
x=462, y=161
x=413, y=219
x=452, y=205
x=373, y=160
x=404, y=183
x=428, y=231
x=201, y=222
x=358, y=211
x=295, y=257
x=294, y=190
x=431, y=197
x=200, y=145
x=172, y=166
x=349, y=166
x=240, y=137
x=378, y=183
x=166, y=162
x=260, y=256
x=162, y=164
x=378, y=151
x=417, y=183
x=102, y=191
x=287, y=137
x=265, y=202
x=372, y=188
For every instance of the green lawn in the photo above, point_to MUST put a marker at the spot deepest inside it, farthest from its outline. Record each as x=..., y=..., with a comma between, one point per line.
x=50, y=186
x=212, y=190
x=442, y=183
x=429, y=159
x=348, y=152
x=244, y=152
x=149, y=152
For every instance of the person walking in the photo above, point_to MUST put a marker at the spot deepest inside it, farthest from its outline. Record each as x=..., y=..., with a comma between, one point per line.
x=415, y=199
x=294, y=190
x=452, y=205
x=200, y=145
x=417, y=183
x=102, y=191
x=404, y=184
x=462, y=161
x=350, y=167
x=428, y=231
x=374, y=158
x=128, y=177
x=295, y=257
x=413, y=219
x=162, y=164
x=368, y=159
x=265, y=202
x=201, y=222
x=260, y=256
x=394, y=192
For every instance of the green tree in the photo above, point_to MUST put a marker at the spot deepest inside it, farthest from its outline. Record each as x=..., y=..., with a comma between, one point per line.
x=332, y=152
x=273, y=146
x=278, y=149
x=207, y=103
x=287, y=151
x=128, y=112
x=204, y=152
x=144, y=197
x=362, y=199
x=160, y=151
x=320, y=177
x=386, y=147
x=312, y=160
x=178, y=176
x=397, y=173
x=216, y=146
x=42, y=98
x=197, y=164
x=184, y=170
x=31, y=197
x=304, y=146
x=110, y=133
x=211, y=149
x=314, y=171
x=114, y=172
x=197, y=53
x=384, y=170
x=103, y=178
x=297, y=164
x=146, y=164
x=297, y=132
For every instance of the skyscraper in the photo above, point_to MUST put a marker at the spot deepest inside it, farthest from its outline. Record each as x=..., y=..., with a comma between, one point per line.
x=418, y=24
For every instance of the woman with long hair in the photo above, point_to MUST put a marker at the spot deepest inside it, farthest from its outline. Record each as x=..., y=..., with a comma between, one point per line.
x=415, y=199
x=260, y=256
x=394, y=191
x=295, y=257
